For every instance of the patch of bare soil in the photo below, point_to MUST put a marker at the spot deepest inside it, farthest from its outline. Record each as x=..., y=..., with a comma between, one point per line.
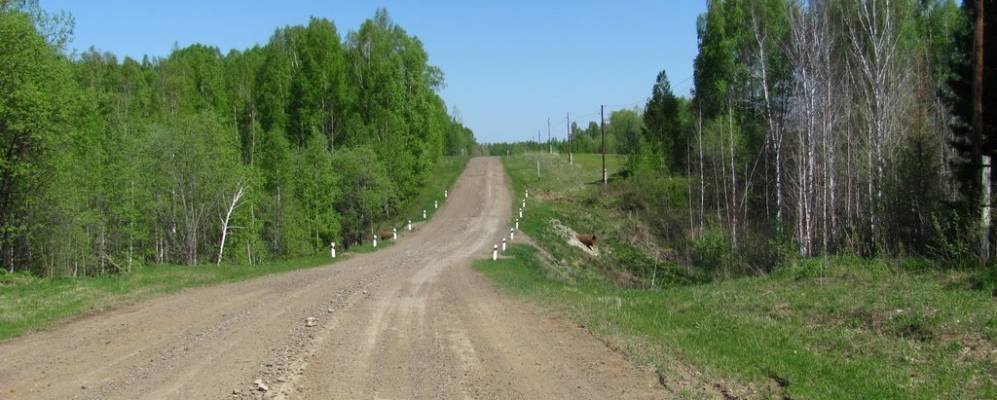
x=571, y=238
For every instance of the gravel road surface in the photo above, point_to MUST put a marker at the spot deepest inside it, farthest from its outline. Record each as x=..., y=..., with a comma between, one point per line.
x=412, y=321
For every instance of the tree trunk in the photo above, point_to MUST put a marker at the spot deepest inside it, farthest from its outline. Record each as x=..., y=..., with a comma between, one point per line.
x=769, y=118
x=225, y=221
x=692, y=221
x=702, y=179
x=733, y=179
x=978, y=137
x=985, y=209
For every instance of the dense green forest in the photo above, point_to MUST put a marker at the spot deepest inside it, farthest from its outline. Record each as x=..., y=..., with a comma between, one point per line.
x=202, y=157
x=813, y=128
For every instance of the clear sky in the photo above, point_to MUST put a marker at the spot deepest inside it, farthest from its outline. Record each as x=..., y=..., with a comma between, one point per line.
x=508, y=65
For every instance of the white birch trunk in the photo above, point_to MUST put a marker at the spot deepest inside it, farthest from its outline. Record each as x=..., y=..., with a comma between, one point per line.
x=702, y=179
x=225, y=221
x=985, y=209
x=733, y=179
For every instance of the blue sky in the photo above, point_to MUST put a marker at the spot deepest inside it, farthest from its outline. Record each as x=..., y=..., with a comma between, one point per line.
x=509, y=65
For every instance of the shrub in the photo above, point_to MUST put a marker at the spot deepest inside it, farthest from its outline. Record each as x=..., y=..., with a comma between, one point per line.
x=712, y=252
x=912, y=325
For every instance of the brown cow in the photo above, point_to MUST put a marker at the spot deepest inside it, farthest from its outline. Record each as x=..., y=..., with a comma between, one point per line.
x=385, y=234
x=588, y=240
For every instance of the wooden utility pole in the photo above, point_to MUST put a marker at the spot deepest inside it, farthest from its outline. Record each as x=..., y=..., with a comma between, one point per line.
x=567, y=119
x=550, y=146
x=539, y=143
x=602, y=128
x=979, y=137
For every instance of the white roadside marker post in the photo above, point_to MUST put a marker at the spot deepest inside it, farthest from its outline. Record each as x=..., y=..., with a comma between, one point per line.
x=495, y=252
x=394, y=233
x=524, y=203
x=424, y=213
x=512, y=234
x=410, y=225
x=527, y=193
x=375, y=241
x=503, y=245
x=436, y=204
x=332, y=249
x=520, y=213
x=517, y=224
x=446, y=194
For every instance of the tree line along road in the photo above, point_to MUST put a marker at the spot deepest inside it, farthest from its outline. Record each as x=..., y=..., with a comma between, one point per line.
x=410, y=321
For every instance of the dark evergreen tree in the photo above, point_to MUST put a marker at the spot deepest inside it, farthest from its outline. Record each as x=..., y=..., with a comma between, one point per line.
x=664, y=128
x=967, y=166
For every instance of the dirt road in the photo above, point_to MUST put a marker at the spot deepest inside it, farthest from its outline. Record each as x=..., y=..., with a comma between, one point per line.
x=412, y=321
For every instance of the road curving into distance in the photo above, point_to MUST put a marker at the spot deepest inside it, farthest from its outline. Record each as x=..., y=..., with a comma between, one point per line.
x=411, y=321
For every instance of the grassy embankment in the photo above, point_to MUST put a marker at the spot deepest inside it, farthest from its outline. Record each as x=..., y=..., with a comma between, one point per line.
x=29, y=303
x=443, y=177
x=818, y=329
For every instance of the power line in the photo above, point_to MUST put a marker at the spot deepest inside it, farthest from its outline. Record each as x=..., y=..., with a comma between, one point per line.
x=590, y=117
x=626, y=106
x=687, y=79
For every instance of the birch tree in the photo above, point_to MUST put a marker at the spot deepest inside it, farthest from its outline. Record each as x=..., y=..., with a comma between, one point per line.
x=232, y=205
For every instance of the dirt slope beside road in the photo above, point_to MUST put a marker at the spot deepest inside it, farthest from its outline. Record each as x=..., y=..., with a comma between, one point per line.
x=412, y=321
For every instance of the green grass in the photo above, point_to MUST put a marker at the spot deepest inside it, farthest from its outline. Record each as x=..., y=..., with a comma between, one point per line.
x=29, y=303
x=555, y=173
x=593, y=162
x=574, y=196
x=826, y=329
x=442, y=177
x=862, y=330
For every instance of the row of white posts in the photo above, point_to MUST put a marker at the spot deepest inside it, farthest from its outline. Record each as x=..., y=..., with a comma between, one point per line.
x=512, y=230
x=394, y=231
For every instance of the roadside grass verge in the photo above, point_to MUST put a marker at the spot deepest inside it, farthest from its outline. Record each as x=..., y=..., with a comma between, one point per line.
x=573, y=196
x=861, y=330
x=29, y=303
x=443, y=177
x=840, y=327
